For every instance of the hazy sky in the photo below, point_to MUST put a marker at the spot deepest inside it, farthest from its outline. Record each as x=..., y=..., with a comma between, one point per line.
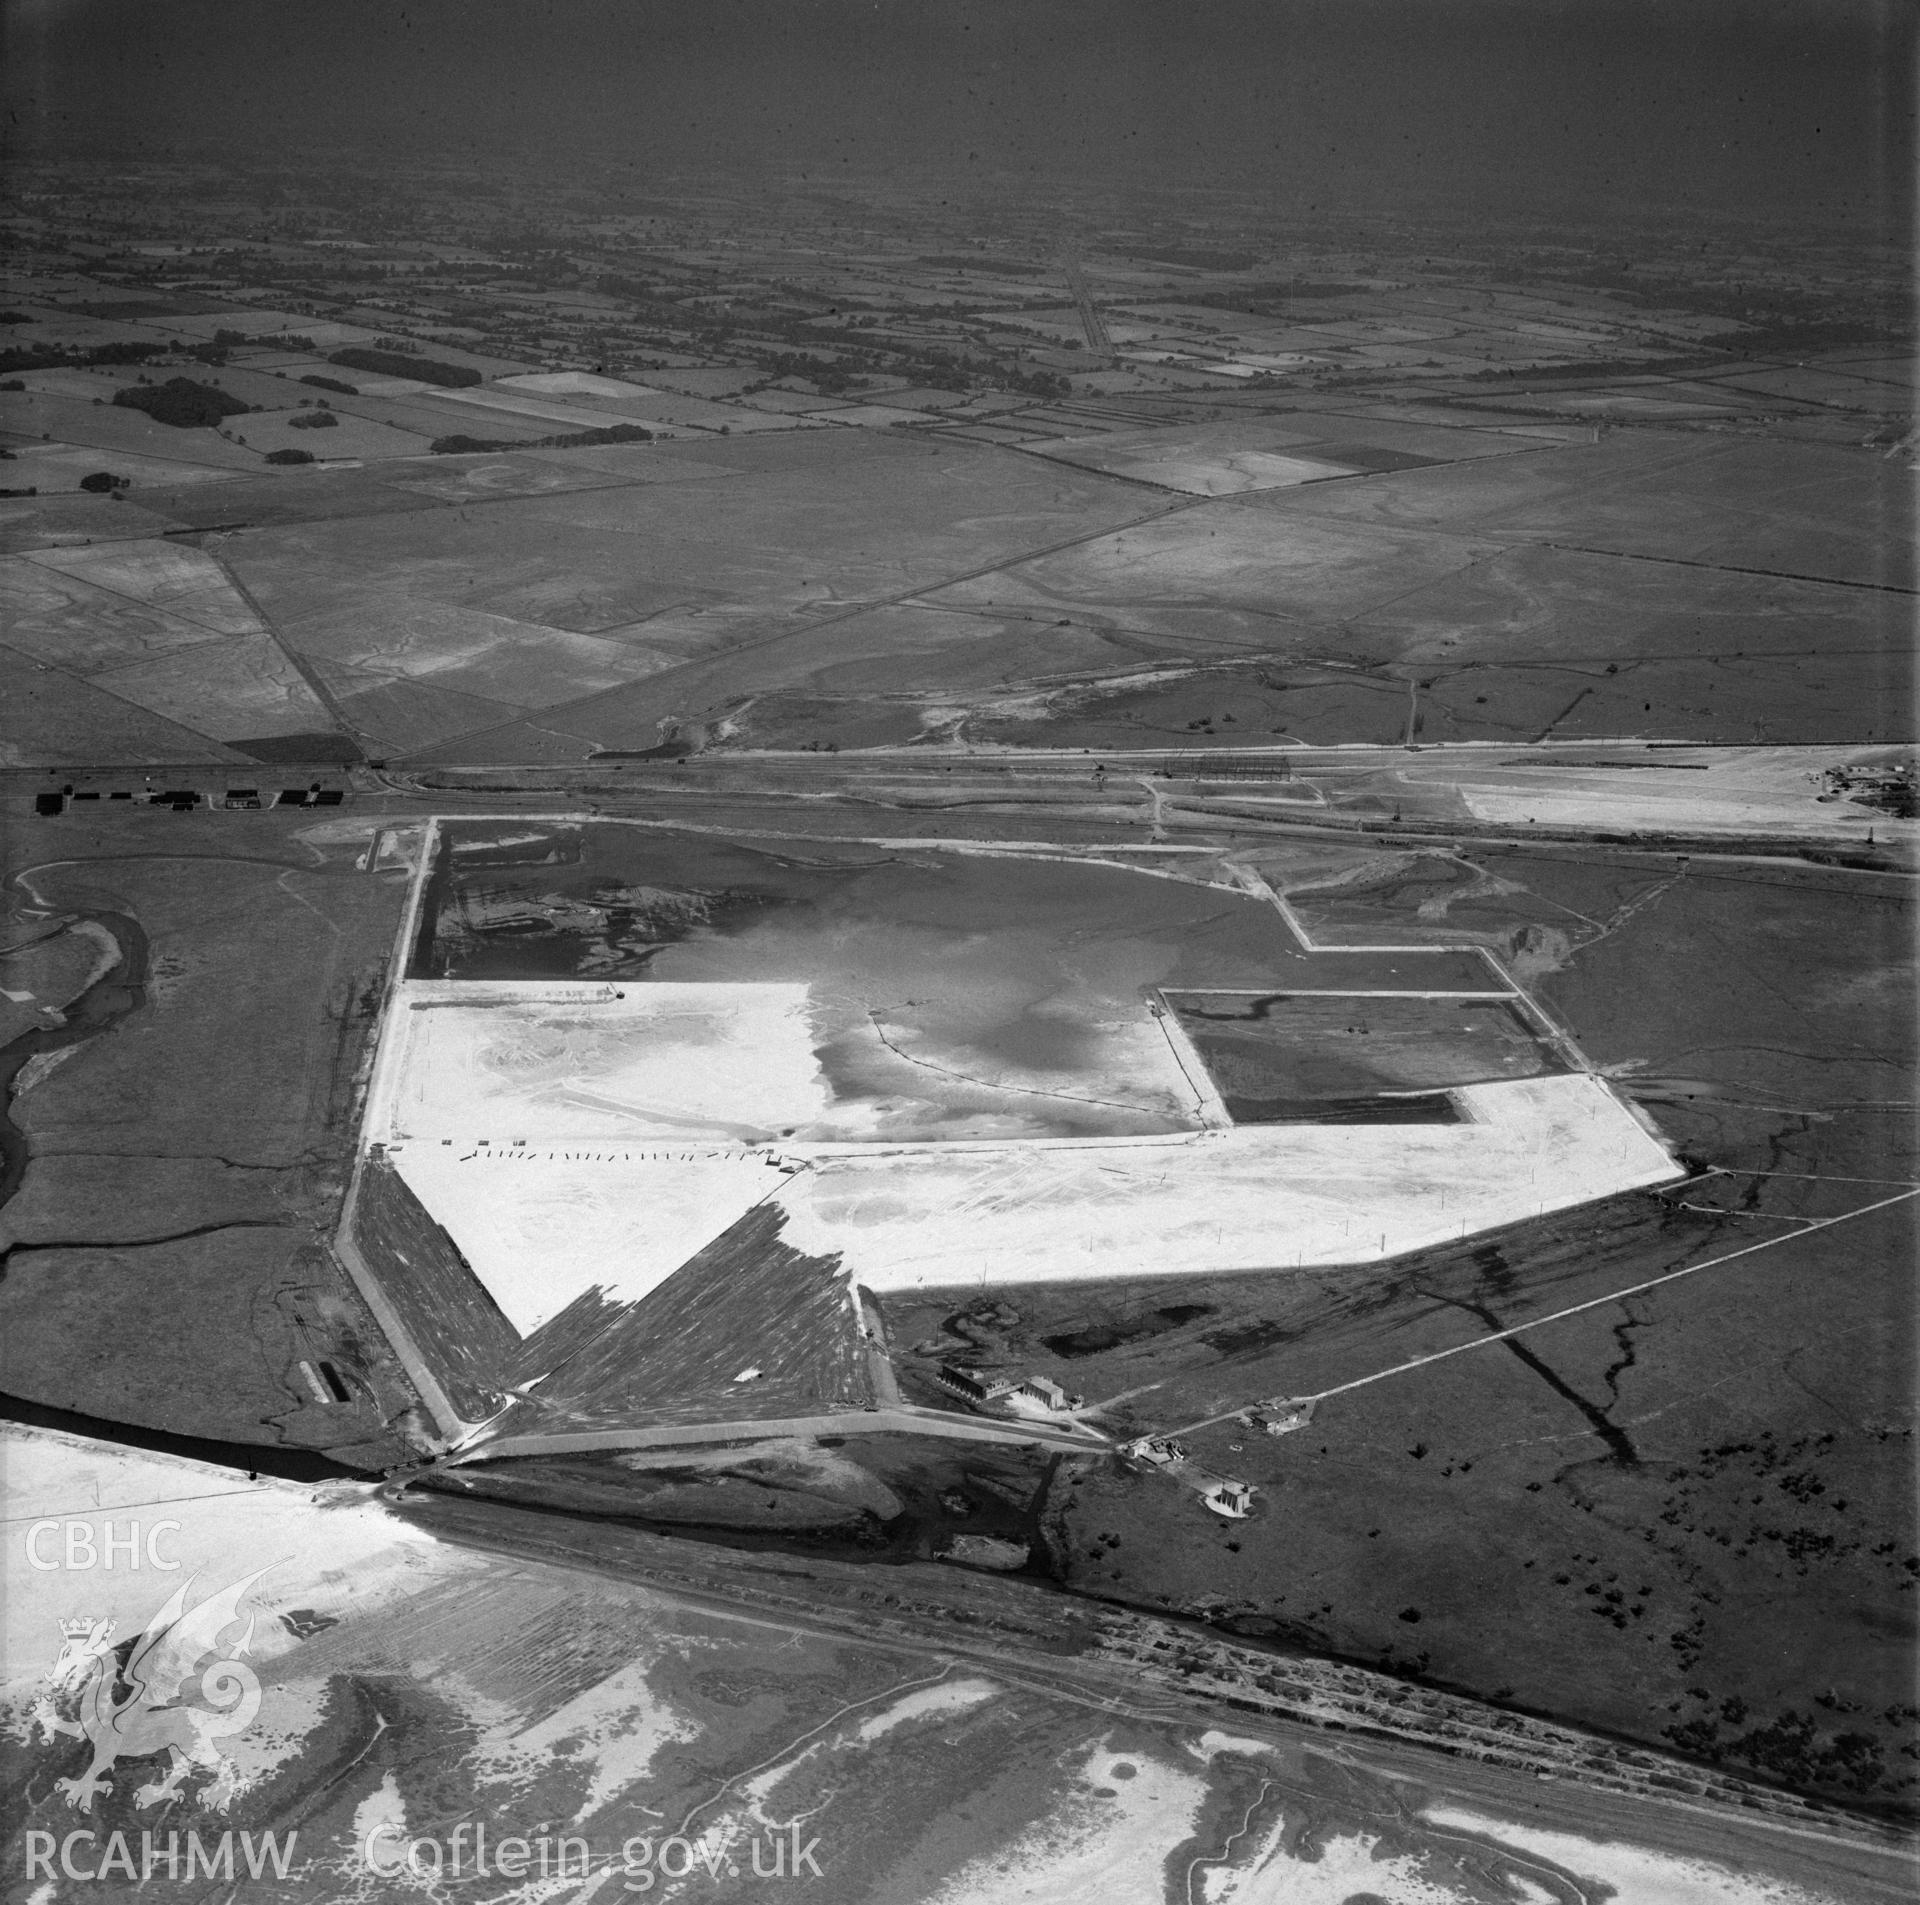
x=1579, y=106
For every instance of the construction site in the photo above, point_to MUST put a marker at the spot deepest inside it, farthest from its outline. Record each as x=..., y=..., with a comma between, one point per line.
x=666, y=1210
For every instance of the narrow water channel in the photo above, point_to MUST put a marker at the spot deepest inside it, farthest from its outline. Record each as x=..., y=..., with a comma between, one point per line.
x=120, y=990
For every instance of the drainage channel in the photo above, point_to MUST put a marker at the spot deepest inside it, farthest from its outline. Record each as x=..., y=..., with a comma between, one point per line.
x=251, y=1458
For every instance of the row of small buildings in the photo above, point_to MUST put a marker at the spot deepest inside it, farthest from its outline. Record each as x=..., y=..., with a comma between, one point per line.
x=1017, y=1392
x=186, y=800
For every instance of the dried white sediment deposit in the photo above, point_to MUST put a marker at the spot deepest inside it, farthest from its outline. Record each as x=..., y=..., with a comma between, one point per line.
x=1259, y=1197
x=740, y=1063
x=573, y=1138
x=541, y=1226
x=726, y=1063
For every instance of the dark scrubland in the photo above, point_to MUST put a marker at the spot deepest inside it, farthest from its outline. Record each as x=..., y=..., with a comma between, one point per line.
x=747, y=1299
x=444, y=1309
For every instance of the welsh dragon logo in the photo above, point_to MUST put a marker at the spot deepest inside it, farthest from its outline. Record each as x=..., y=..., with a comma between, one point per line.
x=180, y=1690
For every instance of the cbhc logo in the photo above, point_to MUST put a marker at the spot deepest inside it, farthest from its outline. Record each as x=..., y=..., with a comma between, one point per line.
x=77, y=1548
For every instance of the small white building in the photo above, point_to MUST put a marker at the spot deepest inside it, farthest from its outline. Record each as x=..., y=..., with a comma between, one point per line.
x=1279, y=1417
x=1157, y=1451
x=1234, y=1500
x=1048, y=1394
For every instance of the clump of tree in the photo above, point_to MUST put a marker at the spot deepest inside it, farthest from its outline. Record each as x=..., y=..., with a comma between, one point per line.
x=181, y=403
x=572, y=440
x=321, y=419
x=822, y=373
x=289, y=456
x=58, y=357
x=331, y=383
x=582, y=439
x=1899, y=798
x=287, y=340
x=125, y=352
x=428, y=370
x=224, y=340
x=104, y=483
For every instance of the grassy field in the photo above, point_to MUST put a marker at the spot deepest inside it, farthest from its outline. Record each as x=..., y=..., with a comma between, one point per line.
x=47, y=715
x=1276, y=1048
x=166, y=1251
x=174, y=577
x=71, y=623
x=64, y=521
x=104, y=429
x=1769, y=507
x=234, y=691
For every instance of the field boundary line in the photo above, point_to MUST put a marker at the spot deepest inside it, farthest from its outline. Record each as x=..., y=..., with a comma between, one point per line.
x=1555, y=1033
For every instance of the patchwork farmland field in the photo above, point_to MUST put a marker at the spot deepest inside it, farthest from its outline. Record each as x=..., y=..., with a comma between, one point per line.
x=881, y=587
